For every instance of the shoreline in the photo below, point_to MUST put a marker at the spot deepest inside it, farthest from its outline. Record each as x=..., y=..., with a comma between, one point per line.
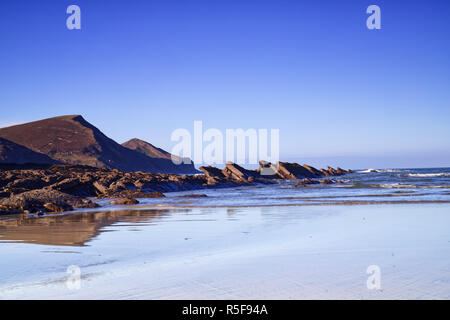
x=39, y=189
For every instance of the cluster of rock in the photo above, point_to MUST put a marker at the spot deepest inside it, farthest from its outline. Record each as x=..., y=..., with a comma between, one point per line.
x=38, y=188
x=268, y=172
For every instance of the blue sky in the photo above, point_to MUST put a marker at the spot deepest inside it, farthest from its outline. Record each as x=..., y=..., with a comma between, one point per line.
x=338, y=92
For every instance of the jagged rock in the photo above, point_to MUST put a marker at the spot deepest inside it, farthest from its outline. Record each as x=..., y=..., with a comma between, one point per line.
x=136, y=194
x=267, y=170
x=326, y=181
x=27, y=183
x=56, y=207
x=236, y=172
x=292, y=171
x=101, y=188
x=305, y=182
x=211, y=181
x=212, y=172
x=77, y=186
x=332, y=171
x=35, y=200
x=314, y=171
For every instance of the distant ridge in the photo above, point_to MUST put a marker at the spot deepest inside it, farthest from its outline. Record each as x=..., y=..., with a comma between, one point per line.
x=146, y=148
x=151, y=151
x=71, y=139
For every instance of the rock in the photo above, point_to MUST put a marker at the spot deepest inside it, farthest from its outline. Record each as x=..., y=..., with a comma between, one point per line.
x=212, y=181
x=43, y=199
x=124, y=201
x=137, y=194
x=314, y=171
x=56, y=207
x=332, y=171
x=4, y=194
x=326, y=181
x=291, y=171
x=102, y=189
x=305, y=182
x=27, y=183
x=212, y=172
x=267, y=170
x=235, y=172
x=340, y=171
x=77, y=186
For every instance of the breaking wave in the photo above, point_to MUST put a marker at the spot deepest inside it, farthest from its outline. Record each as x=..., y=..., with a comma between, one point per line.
x=396, y=185
x=424, y=175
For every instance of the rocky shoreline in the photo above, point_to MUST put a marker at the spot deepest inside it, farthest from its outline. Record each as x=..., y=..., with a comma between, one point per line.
x=40, y=188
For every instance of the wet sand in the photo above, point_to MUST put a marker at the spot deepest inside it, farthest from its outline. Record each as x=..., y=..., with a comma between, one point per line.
x=276, y=252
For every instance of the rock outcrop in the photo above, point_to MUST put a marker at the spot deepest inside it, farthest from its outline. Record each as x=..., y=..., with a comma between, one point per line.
x=58, y=188
x=43, y=200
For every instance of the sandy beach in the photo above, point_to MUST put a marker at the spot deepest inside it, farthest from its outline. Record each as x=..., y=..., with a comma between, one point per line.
x=309, y=252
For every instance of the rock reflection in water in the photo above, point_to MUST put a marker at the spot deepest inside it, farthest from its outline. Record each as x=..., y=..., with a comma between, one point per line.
x=74, y=229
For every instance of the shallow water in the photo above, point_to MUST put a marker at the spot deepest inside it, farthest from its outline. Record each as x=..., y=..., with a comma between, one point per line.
x=268, y=242
x=385, y=186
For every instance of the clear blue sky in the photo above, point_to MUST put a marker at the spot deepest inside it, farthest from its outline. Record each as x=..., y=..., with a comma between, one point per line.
x=338, y=92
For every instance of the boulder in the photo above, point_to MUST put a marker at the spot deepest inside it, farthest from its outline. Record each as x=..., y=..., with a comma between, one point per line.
x=136, y=194
x=314, y=171
x=212, y=172
x=44, y=200
x=293, y=170
x=236, y=172
x=340, y=171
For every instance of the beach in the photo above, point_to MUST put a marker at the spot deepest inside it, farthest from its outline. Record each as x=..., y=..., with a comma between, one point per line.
x=181, y=248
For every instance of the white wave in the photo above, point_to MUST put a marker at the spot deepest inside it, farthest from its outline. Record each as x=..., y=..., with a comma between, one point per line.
x=368, y=171
x=424, y=175
x=396, y=185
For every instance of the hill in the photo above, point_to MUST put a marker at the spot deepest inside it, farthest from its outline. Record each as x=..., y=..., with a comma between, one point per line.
x=73, y=140
x=11, y=152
